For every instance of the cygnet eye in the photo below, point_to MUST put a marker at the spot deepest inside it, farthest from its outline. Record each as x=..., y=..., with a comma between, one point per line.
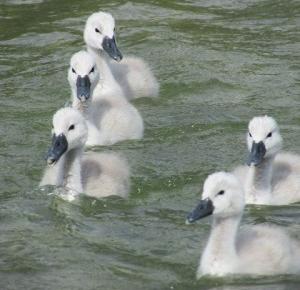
x=73, y=70
x=97, y=30
x=250, y=135
x=221, y=192
x=269, y=135
x=72, y=127
x=92, y=70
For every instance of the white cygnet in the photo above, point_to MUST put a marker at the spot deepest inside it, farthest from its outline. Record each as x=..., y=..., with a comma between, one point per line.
x=110, y=119
x=129, y=77
x=95, y=174
x=251, y=250
x=270, y=177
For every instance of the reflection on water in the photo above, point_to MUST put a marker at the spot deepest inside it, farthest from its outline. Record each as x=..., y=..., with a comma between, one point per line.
x=219, y=64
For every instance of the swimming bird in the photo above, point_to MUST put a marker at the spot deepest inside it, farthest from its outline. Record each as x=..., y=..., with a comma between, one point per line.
x=95, y=174
x=110, y=118
x=270, y=177
x=129, y=77
x=252, y=250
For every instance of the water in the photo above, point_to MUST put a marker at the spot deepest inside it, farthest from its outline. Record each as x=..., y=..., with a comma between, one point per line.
x=219, y=64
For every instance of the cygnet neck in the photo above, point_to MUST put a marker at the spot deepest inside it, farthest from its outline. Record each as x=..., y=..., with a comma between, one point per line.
x=69, y=171
x=221, y=243
x=83, y=107
x=258, y=182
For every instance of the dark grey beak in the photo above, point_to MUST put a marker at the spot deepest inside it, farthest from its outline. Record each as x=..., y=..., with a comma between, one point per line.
x=58, y=148
x=203, y=209
x=110, y=46
x=257, y=153
x=83, y=85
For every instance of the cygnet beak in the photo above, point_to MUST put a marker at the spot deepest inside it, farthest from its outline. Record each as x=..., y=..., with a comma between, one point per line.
x=256, y=156
x=110, y=46
x=58, y=147
x=203, y=209
x=83, y=85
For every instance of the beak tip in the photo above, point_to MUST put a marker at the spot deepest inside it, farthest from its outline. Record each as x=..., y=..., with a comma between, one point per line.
x=83, y=98
x=50, y=161
x=118, y=58
x=252, y=162
x=189, y=219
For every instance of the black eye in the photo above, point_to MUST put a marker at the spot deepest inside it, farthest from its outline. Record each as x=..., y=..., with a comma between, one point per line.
x=92, y=70
x=72, y=127
x=73, y=70
x=221, y=192
x=269, y=135
x=250, y=134
x=97, y=30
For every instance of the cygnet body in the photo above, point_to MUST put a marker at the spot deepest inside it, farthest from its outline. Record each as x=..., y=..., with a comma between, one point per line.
x=129, y=77
x=95, y=174
x=110, y=119
x=270, y=177
x=251, y=250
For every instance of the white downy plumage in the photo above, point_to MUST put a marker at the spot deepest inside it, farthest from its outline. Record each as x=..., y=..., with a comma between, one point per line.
x=95, y=174
x=271, y=177
x=110, y=118
x=130, y=77
x=252, y=250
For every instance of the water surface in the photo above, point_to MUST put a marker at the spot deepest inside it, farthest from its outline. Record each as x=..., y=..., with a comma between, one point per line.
x=219, y=64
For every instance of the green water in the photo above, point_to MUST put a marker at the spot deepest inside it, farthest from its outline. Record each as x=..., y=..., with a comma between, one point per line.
x=219, y=63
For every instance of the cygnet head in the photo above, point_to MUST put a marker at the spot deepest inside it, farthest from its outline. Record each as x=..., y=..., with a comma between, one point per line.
x=222, y=196
x=69, y=132
x=99, y=33
x=263, y=139
x=83, y=75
